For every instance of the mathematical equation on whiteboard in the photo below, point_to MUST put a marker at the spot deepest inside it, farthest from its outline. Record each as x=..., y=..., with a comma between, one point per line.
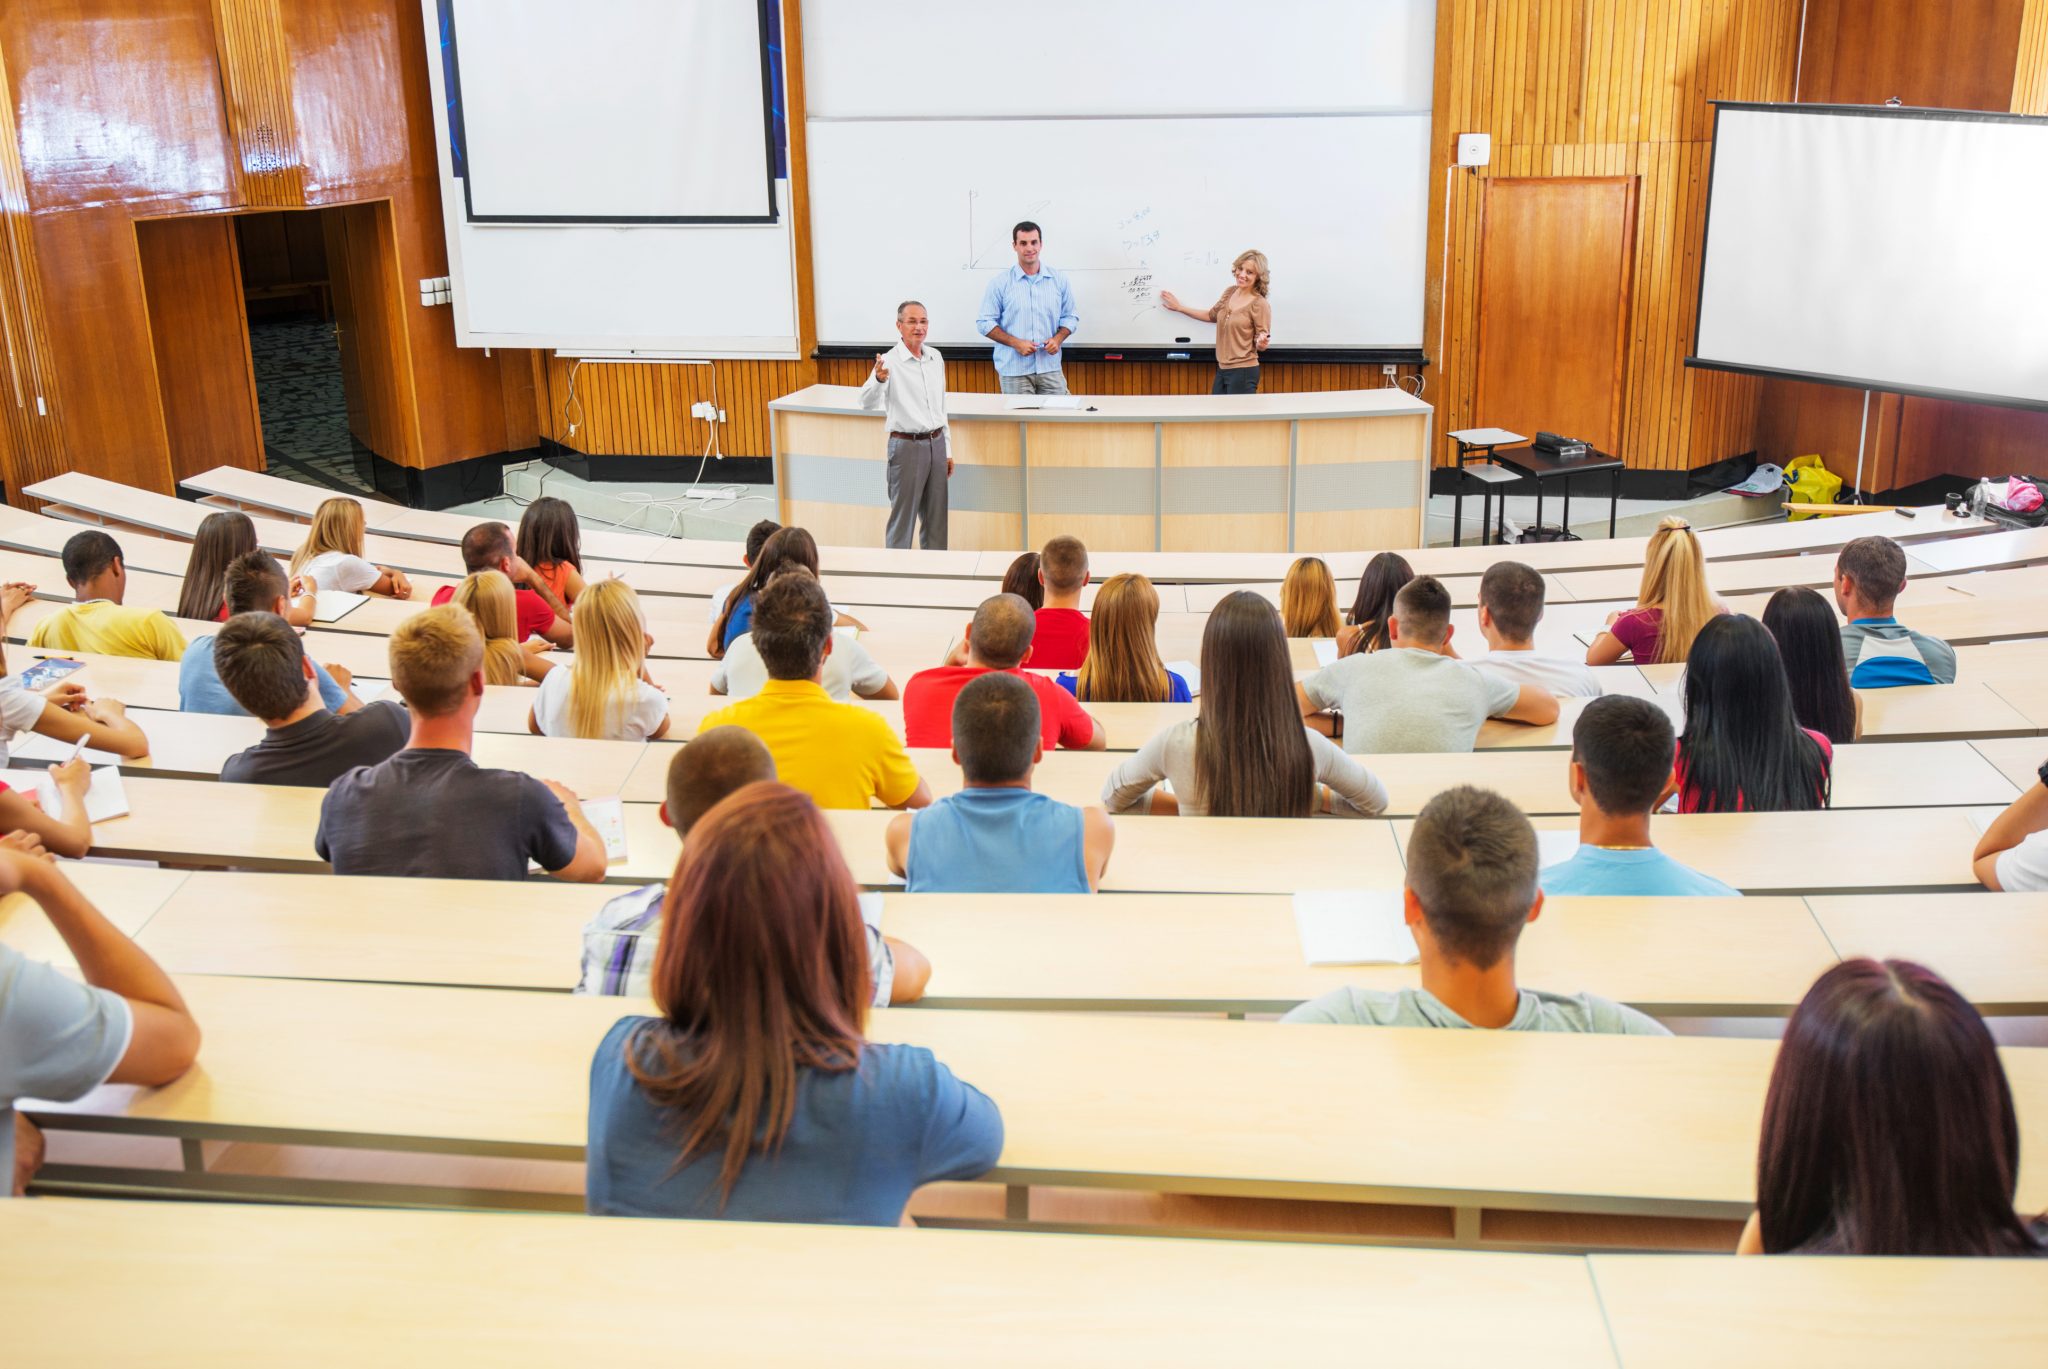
x=1129, y=247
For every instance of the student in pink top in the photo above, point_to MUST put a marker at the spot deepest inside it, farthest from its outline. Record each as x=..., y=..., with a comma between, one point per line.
x=1671, y=606
x=1743, y=749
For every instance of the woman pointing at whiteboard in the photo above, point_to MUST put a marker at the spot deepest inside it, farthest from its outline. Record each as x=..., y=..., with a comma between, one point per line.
x=1244, y=324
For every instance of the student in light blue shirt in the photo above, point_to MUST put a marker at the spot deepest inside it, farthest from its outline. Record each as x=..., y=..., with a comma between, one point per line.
x=755, y=1095
x=1028, y=312
x=1623, y=754
x=996, y=836
x=255, y=583
x=1870, y=573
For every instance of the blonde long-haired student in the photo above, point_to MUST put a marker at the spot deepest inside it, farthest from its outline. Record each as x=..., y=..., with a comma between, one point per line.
x=1123, y=664
x=605, y=694
x=1672, y=605
x=1308, y=600
x=332, y=554
x=487, y=596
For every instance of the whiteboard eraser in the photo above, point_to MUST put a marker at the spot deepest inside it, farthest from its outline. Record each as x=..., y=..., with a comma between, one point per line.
x=1475, y=149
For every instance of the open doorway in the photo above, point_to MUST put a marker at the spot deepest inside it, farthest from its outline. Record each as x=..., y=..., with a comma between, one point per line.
x=295, y=349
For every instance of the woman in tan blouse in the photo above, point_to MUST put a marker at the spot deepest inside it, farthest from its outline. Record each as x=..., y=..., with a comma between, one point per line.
x=1244, y=324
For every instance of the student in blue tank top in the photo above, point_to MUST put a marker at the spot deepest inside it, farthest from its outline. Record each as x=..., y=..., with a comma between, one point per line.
x=755, y=1095
x=996, y=836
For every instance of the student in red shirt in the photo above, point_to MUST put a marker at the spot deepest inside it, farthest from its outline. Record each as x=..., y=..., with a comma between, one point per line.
x=488, y=546
x=1062, y=637
x=1000, y=638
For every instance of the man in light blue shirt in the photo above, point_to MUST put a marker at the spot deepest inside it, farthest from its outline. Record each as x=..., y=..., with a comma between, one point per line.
x=1028, y=312
x=1621, y=772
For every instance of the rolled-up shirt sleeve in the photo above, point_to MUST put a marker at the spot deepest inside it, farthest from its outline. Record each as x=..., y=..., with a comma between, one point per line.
x=991, y=315
x=1070, y=318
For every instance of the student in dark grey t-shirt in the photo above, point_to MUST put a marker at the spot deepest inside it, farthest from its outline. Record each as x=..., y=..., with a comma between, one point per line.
x=264, y=668
x=430, y=811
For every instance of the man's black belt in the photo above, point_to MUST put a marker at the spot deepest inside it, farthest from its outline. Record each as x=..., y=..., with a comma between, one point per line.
x=919, y=437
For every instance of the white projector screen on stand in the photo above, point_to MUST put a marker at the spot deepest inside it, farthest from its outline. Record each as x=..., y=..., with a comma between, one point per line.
x=1893, y=249
x=1152, y=144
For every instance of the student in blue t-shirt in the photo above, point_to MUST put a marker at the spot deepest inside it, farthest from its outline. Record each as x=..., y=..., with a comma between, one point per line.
x=1621, y=772
x=255, y=583
x=755, y=1095
x=1870, y=573
x=997, y=836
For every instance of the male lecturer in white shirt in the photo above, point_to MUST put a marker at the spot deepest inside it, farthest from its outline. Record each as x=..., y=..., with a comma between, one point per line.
x=909, y=385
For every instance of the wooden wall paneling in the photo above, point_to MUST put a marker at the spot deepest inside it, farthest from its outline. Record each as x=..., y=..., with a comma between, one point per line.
x=341, y=281
x=2030, y=74
x=200, y=341
x=1946, y=54
x=256, y=77
x=31, y=432
x=1555, y=262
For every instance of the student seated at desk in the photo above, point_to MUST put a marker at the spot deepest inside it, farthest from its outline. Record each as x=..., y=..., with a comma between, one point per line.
x=1810, y=644
x=1510, y=607
x=1247, y=755
x=255, y=584
x=1672, y=603
x=1889, y=1127
x=1061, y=639
x=2012, y=855
x=604, y=695
x=491, y=602
x=1469, y=891
x=1368, y=626
x=996, y=836
x=754, y=1095
x=1742, y=749
x=30, y=826
x=1622, y=754
x=1881, y=651
x=550, y=541
x=1001, y=639
x=488, y=546
x=842, y=755
x=1412, y=696
x=1122, y=665
x=757, y=538
x=849, y=671
x=222, y=539
x=735, y=614
x=430, y=812
x=331, y=557
x=62, y=711
x=99, y=622
x=60, y=1039
x=264, y=666
x=1021, y=579
x=620, y=943
x=1308, y=600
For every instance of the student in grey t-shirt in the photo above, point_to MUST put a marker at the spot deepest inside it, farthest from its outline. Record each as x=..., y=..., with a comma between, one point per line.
x=1471, y=888
x=1414, y=696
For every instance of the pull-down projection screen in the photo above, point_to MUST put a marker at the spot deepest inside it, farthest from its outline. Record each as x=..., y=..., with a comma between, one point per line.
x=1895, y=249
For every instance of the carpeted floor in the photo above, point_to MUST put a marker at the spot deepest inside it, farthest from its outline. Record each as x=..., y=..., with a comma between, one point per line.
x=304, y=407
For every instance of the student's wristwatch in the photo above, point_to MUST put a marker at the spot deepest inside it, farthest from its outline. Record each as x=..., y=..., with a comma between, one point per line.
x=2043, y=773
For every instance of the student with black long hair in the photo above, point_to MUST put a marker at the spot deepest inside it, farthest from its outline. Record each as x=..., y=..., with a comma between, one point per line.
x=1743, y=750
x=1810, y=643
x=1889, y=1126
x=1366, y=627
x=1248, y=754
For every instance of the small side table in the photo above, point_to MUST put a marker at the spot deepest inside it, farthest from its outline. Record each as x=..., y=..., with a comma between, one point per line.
x=1476, y=461
x=1541, y=466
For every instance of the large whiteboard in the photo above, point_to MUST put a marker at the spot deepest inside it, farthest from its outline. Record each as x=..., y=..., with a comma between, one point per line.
x=688, y=289
x=1890, y=249
x=1129, y=207
x=1152, y=143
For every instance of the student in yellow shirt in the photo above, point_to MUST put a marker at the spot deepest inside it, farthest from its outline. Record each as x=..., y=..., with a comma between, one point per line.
x=842, y=755
x=99, y=621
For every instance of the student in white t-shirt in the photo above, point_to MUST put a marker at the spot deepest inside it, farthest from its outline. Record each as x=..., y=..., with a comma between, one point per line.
x=1510, y=607
x=332, y=554
x=2012, y=855
x=605, y=694
x=850, y=672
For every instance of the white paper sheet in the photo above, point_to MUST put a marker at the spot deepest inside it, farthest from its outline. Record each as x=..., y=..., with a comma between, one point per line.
x=107, y=798
x=1190, y=672
x=871, y=909
x=608, y=816
x=1353, y=927
x=1023, y=401
x=50, y=751
x=332, y=605
x=1555, y=846
x=369, y=691
x=1325, y=649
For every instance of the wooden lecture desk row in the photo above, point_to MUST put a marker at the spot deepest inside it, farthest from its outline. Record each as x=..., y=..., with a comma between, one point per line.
x=1627, y=1126
x=1866, y=775
x=1672, y=957
x=345, y=1287
x=205, y=824
x=252, y=490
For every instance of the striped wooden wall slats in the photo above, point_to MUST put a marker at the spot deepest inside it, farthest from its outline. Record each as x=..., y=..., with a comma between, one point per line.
x=2030, y=79
x=31, y=433
x=256, y=76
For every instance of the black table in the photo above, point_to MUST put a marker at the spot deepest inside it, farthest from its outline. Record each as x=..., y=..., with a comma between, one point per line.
x=1540, y=465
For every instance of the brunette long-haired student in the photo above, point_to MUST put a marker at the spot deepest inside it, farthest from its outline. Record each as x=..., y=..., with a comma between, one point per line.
x=755, y=1094
x=1889, y=1126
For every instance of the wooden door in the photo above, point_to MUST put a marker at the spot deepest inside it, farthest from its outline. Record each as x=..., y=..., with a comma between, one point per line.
x=192, y=286
x=369, y=310
x=341, y=287
x=1555, y=258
